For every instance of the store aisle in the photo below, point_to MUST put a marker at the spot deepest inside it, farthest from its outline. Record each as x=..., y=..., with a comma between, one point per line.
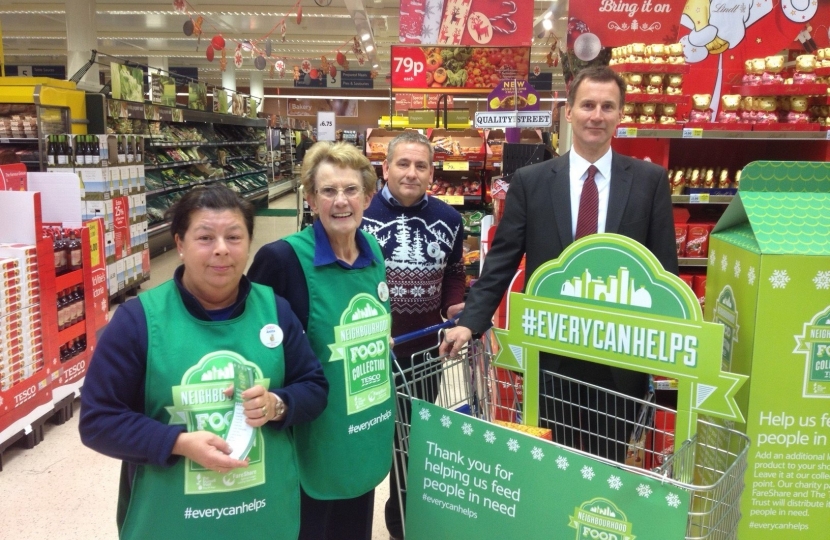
x=64, y=491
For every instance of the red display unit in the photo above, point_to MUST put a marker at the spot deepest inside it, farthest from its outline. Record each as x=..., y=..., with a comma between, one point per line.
x=26, y=400
x=68, y=378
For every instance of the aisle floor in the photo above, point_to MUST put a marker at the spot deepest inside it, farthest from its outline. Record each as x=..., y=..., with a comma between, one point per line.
x=62, y=490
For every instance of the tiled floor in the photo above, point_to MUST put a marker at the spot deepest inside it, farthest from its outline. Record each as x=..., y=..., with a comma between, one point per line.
x=64, y=491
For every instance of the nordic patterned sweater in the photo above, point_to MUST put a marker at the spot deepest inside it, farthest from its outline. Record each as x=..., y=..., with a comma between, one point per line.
x=422, y=245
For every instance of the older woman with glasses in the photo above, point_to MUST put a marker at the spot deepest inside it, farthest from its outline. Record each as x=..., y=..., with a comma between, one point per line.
x=334, y=277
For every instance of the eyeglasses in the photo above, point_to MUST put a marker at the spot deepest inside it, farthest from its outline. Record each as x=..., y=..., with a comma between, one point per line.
x=329, y=192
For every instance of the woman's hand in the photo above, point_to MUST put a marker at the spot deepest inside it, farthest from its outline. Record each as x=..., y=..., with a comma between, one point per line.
x=261, y=406
x=208, y=450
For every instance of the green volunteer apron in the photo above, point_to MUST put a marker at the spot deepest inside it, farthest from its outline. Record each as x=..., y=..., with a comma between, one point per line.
x=347, y=451
x=189, y=363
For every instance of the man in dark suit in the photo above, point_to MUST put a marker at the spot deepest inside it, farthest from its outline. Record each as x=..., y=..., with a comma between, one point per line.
x=541, y=217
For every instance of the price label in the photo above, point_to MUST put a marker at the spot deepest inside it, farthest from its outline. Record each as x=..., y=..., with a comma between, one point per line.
x=627, y=133
x=6, y=140
x=408, y=67
x=325, y=126
x=692, y=133
x=456, y=165
x=699, y=198
x=828, y=134
x=497, y=164
x=455, y=200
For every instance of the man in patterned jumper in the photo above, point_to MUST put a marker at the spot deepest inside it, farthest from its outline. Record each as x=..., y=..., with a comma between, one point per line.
x=421, y=238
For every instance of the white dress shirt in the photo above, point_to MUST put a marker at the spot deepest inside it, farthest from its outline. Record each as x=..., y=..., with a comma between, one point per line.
x=578, y=173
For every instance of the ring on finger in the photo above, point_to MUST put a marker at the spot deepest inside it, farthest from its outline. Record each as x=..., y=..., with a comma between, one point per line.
x=264, y=410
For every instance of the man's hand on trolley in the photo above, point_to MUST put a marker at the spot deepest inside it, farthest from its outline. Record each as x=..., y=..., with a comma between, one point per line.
x=454, y=340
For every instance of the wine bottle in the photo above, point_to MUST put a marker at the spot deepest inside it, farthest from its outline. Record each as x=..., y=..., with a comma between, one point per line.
x=51, y=151
x=95, y=149
x=130, y=153
x=79, y=151
x=59, y=247
x=63, y=152
x=139, y=149
x=122, y=158
x=75, y=258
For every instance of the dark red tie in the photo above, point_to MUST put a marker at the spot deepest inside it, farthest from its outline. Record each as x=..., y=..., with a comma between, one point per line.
x=586, y=220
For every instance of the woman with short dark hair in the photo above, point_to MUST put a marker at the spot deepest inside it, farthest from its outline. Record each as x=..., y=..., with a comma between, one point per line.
x=159, y=393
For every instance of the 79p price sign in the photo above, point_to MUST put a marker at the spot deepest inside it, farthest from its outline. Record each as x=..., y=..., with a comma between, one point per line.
x=408, y=67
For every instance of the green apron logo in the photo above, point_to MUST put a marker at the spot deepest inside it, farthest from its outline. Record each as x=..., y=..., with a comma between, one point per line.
x=814, y=343
x=600, y=519
x=726, y=314
x=200, y=404
x=361, y=341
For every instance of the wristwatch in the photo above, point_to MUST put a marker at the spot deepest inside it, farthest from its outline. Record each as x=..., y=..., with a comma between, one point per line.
x=279, y=408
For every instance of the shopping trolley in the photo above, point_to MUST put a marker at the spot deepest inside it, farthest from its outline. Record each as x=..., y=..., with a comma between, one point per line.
x=710, y=465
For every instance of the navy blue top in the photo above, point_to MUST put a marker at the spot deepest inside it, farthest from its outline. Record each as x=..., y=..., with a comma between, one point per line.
x=112, y=417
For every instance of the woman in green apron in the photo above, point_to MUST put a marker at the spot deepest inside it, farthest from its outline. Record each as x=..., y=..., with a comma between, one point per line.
x=334, y=277
x=193, y=385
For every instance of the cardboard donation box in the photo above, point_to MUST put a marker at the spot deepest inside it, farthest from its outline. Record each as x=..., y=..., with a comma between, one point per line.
x=768, y=284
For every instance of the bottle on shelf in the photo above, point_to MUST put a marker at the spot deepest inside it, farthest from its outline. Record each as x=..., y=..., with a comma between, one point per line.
x=51, y=151
x=122, y=157
x=75, y=259
x=139, y=149
x=80, y=345
x=87, y=143
x=95, y=149
x=59, y=249
x=80, y=311
x=63, y=309
x=130, y=154
x=64, y=352
x=80, y=150
x=63, y=152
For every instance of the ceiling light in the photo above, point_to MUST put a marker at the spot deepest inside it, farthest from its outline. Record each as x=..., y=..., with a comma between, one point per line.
x=375, y=66
x=366, y=36
x=548, y=14
x=370, y=48
x=547, y=24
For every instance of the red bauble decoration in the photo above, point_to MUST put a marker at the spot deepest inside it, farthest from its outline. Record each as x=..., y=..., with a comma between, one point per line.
x=333, y=71
x=314, y=73
x=218, y=42
x=187, y=27
x=299, y=14
x=341, y=58
x=209, y=53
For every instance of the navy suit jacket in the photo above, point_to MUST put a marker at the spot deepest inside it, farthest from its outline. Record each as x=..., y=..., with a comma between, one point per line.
x=537, y=222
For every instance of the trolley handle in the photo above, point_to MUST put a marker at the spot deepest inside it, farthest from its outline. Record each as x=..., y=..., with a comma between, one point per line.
x=449, y=323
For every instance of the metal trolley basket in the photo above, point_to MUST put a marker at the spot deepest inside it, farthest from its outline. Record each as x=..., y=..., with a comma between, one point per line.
x=710, y=466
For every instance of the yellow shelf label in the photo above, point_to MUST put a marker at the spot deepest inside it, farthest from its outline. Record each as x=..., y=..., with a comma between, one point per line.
x=626, y=132
x=456, y=166
x=456, y=200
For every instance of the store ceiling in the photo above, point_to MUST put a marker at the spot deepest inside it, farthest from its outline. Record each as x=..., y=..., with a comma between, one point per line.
x=34, y=32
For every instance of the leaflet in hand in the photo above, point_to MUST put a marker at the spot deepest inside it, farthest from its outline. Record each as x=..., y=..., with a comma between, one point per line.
x=240, y=435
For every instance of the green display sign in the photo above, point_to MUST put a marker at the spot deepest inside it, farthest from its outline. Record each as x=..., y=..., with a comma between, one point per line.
x=472, y=479
x=768, y=283
x=608, y=300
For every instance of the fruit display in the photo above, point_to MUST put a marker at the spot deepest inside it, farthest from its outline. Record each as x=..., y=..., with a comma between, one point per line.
x=475, y=67
x=460, y=67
